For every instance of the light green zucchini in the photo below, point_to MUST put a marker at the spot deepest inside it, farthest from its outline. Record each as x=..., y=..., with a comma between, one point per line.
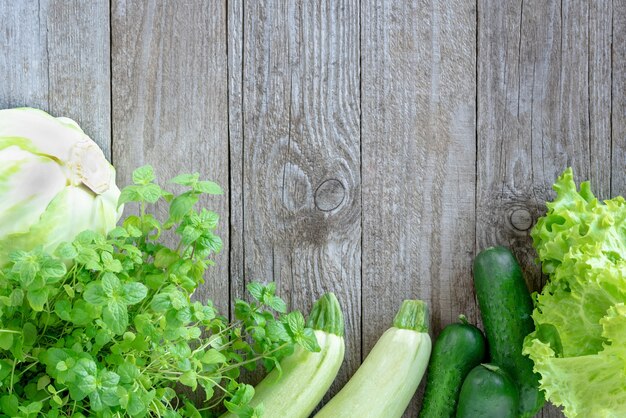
x=306, y=376
x=388, y=378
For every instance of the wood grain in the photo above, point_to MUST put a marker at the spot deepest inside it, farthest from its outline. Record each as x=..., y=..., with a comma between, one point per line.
x=170, y=103
x=295, y=127
x=543, y=104
x=55, y=57
x=418, y=139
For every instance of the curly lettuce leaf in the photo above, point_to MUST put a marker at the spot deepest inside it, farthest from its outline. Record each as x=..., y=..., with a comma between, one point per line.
x=579, y=346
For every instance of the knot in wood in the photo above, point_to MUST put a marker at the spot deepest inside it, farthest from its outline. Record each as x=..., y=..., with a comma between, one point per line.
x=521, y=219
x=329, y=195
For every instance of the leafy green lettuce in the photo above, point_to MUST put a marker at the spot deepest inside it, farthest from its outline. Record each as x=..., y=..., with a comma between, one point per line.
x=579, y=345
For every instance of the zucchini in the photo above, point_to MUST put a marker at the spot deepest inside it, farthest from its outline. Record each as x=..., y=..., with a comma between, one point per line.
x=506, y=308
x=306, y=376
x=388, y=378
x=459, y=348
x=488, y=392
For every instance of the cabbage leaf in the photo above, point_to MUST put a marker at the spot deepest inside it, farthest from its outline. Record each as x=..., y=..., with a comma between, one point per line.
x=55, y=182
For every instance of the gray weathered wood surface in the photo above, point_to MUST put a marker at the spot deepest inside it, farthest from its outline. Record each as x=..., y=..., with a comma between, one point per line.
x=369, y=148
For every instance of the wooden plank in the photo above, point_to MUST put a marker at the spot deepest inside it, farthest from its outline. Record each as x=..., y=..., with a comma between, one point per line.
x=236, y=143
x=298, y=137
x=599, y=90
x=418, y=138
x=169, y=70
x=543, y=83
x=618, y=101
x=55, y=57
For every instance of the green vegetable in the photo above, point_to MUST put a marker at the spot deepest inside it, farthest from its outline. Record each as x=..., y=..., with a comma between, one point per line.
x=458, y=349
x=488, y=392
x=112, y=334
x=54, y=182
x=295, y=388
x=579, y=346
x=506, y=306
x=388, y=378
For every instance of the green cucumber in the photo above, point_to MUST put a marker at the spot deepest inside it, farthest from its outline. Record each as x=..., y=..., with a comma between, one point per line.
x=506, y=308
x=459, y=348
x=488, y=392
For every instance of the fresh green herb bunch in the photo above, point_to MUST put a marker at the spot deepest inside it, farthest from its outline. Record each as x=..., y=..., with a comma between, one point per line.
x=105, y=326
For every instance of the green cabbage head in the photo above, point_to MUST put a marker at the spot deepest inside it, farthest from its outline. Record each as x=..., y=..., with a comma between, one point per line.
x=54, y=182
x=579, y=344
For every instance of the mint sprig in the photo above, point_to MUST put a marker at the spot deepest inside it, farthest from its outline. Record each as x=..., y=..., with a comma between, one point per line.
x=106, y=326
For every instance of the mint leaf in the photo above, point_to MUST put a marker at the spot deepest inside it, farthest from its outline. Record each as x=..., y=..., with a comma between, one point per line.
x=115, y=316
x=150, y=193
x=136, y=403
x=181, y=205
x=109, y=263
x=161, y=302
x=212, y=356
x=29, y=334
x=110, y=284
x=27, y=268
x=184, y=315
x=37, y=299
x=66, y=251
x=270, y=288
x=186, y=179
x=276, y=331
x=207, y=187
x=189, y=378
x=208, y=219
x=108, y=379
x=143, y=175
x=256, y=290
x=6, y=339
x=32, y=408
x=88, y=257
x=189, y=234
x=129, y=194
x=94, y=293
x=308, y=341
x=295, y=321
x=85, y=368
x=277, y=304
x=128, y=372
x=17, y=297
x=242, y=397
x=9, y=404
x=38, y=283
x=85, y=383
x=63, y=310
x=43, y=382
x=165, y=258
x=18, y=256
x=51, y=267
x=211, y=242
x=118, y=232
x=134, y=293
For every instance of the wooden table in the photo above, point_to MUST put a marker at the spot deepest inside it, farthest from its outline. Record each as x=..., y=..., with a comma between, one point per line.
x=367, y=148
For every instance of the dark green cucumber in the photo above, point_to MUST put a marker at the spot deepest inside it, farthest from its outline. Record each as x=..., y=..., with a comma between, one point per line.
x=488, y=392
x=506, y=308
x=458, y=349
